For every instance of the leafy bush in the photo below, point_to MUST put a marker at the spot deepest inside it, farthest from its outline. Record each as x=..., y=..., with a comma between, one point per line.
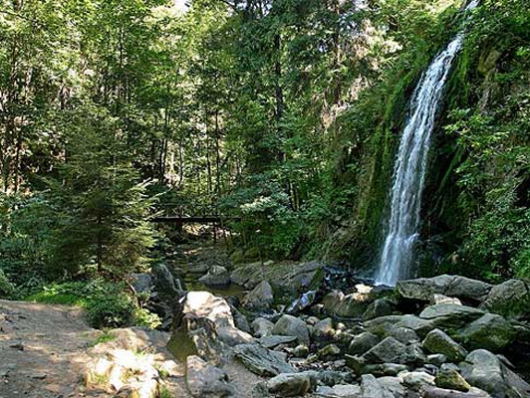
x=106, y=304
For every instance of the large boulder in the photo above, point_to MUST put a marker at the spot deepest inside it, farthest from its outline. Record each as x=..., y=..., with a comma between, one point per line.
x=373, y=388
x=384, y=326
x=351, y=305
x=260, y=297
x=206, y=305
x=216, y=276
x=491, y=332
x=289, y=325
x=437, y=342
x=232, y=336
x=484, y=370
x=362, y=343
x=387, y=351
x=197, y=319
x=286, y=276
x=261, y=360
x=449, y=316
x=380, y=307
x=424, y=289
x=205, y=380
x=509, y=298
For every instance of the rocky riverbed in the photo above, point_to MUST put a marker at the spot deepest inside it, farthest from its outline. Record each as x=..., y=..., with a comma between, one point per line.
x=311, y=330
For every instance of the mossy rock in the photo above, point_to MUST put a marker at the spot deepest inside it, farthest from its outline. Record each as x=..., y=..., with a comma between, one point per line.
x=452, y=380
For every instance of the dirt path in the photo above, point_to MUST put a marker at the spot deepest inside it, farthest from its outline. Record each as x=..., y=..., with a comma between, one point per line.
x=42, y=350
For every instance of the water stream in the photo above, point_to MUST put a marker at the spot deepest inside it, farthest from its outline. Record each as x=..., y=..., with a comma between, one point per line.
x=410, y=167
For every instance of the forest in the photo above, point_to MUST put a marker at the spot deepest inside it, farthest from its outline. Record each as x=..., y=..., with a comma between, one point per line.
x=236, y=148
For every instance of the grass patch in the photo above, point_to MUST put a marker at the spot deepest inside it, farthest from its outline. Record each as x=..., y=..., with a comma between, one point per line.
x=104, y=338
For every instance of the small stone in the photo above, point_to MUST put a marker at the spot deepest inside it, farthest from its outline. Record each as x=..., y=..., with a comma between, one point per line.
x=262, y=327
x=289, y=325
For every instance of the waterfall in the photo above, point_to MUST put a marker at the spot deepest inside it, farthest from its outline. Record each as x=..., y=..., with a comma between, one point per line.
x=410, y=167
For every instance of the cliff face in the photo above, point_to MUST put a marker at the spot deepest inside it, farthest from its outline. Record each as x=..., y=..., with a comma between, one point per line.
x=475, y=212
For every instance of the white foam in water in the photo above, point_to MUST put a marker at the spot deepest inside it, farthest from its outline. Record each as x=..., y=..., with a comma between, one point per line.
x=410, y=167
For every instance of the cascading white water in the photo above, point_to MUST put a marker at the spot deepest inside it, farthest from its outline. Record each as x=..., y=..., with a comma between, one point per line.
x=410, y=167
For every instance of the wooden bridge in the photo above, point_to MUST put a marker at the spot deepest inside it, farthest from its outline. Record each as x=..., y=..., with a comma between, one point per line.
x=187, y=214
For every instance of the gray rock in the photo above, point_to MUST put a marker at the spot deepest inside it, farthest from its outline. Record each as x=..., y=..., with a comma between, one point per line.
x=383, y=369
x=424, y=289
x=449, y=316
x=389, y=350
x=384, y=325
x=491, y=332
x=324, y=329
x=362, y=343
x=165, y=283
x=261, y=360
x=274, y=340
x=371, y=388
x=232, y=336
x=404, y=335
x=206, y=305
x=260, y=297
x=482, y=369
x=436, y=359
x=437, y=392
x=352, y=305
x=142, y=283
x=216, y=276
x=416, y=380
x=438, y=342
x=339, y=391
x=509, y=298
x=287, y=276
x=415, y=355
x=290, y=384
x=240, y=320
x=393, y=385
x=262, y=327
x=452, y=380
x=205, y=380
x=289, y=325
x=380, y=307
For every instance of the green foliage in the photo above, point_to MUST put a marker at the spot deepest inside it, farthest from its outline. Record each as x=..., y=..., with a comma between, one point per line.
x=104, y=338
x=106, y=304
